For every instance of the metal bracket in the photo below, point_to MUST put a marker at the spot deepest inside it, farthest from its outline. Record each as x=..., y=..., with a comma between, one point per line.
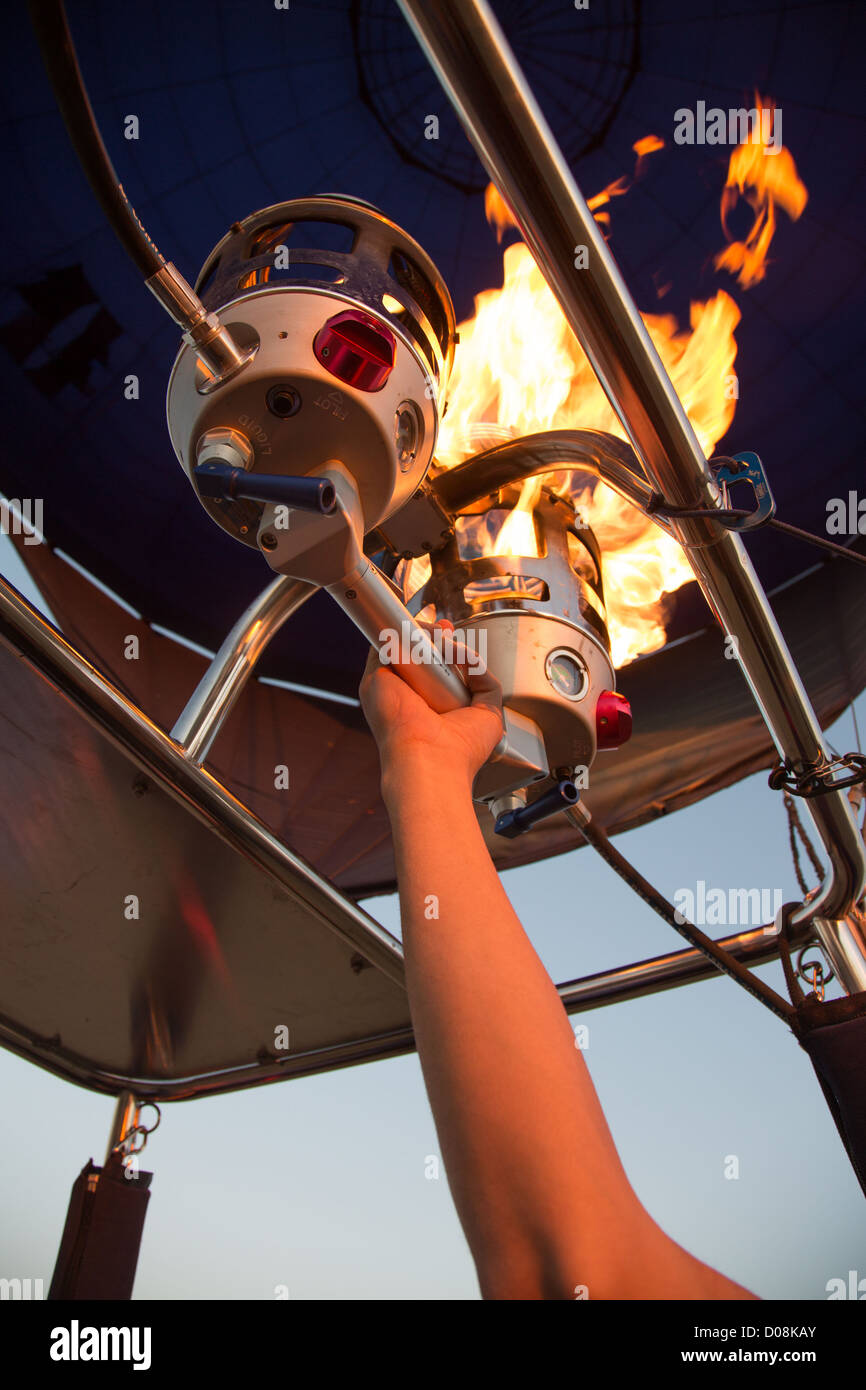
x=421, y=525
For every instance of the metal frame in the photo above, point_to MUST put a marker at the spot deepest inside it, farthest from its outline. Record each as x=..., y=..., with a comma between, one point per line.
x=219, y=688
x=29, y=635
x=480, y=75
x=128, y=728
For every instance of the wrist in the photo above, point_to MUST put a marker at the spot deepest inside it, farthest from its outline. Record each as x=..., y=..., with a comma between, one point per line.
x=416, y=775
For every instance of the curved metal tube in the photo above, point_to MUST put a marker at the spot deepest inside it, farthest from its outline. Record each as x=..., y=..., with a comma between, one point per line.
x=216, y=693
x=479, y=73
x=609, y=458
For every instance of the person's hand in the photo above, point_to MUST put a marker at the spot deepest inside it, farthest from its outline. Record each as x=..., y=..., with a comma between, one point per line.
x=405, y=726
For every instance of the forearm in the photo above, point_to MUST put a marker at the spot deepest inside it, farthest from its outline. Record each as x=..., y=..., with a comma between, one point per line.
x=533, y=1169
x=538, y=1185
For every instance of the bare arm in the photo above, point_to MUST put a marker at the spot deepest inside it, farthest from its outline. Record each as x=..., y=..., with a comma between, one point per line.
x=542, y=1196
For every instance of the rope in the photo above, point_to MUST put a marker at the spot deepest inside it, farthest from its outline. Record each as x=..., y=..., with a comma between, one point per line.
x=726, y=514
x=795, y=827
x=720, y=958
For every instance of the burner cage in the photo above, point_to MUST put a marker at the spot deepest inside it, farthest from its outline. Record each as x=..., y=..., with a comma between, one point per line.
x=538, y=620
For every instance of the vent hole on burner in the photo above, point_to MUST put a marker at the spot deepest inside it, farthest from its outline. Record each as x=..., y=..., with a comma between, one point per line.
x=507, y=586
x=309, y=235
x=295, y=270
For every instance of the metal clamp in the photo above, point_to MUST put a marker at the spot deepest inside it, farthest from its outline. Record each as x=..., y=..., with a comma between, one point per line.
x=818, y=780
x=127, y=1144
x=739, y=468
x=814, y=972
x=744, y=468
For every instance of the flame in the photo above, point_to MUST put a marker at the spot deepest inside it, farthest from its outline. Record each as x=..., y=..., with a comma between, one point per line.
x=519, y=369
x=497, y=211
x=517, y=536
x=500, y=216
x=519, y=362
x=764, y=180
x=647, y=145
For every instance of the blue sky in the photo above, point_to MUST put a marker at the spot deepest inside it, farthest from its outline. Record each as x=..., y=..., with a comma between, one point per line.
x=318, y=1185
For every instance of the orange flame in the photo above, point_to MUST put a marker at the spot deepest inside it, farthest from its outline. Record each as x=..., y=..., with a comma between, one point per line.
x=500, y=216
x=517, y=535
x=497, y=211
x=763, y=180
x=647, y=145
x=519, y=369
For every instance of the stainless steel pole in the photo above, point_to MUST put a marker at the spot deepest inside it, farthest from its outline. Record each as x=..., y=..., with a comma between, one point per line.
x=368, y=598
x=125, y=1119
x=755, y=947
x=219, y=688
x=480, y=74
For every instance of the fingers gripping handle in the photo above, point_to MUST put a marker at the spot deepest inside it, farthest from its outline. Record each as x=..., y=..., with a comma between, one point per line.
x=369, y=600
x=318, y=547
x=375, y=607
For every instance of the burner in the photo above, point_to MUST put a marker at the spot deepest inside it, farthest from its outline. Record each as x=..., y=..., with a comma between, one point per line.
x=351, y=334
x=537, y=619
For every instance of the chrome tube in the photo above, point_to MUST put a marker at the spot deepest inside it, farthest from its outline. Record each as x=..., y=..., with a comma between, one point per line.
x=578, y=996
x=219, y=688
x=472, y=59
x=755, y=947
x=202, y=330
x=124, y=1121
x=481, y=77
x=128, y=728
x=375, y=607
x=40, y=1050
x=605, y=456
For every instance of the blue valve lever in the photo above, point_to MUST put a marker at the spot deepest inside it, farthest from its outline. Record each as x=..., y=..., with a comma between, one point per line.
x=307, y=494
x=558, y=798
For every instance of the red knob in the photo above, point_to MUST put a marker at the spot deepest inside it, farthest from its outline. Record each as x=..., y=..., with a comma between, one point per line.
x=612, y=719
x=356, y=349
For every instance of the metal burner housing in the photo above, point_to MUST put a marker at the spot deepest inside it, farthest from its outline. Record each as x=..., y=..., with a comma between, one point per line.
x=539, y=621
x=350, y=354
